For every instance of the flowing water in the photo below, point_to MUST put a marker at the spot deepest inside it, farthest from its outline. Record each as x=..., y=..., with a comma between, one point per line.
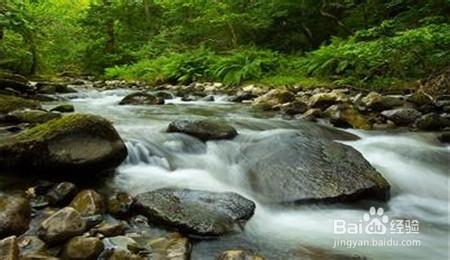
x=416, y=166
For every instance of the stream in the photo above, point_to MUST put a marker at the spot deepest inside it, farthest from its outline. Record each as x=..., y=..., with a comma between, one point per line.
x=415, y=164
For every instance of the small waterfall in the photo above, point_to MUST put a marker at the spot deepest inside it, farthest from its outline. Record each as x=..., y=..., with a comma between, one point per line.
x=139, y=153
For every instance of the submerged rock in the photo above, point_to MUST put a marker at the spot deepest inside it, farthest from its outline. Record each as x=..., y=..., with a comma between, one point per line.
x=9, y=249
x=77, y=142
x=141, y=98
x=203, y=129
x=12, y=103
x=62, y=225
x=15, y=215
x=88, y=248
x=196, y=212
x=292, y=167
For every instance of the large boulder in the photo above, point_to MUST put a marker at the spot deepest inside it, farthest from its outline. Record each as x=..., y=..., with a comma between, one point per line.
x=14, y=82
x=141, y=98
x=377, y=102
x=12, y=103
x=273, y=98
x=203, y=129
x=196, y=212
x=402, y=116
x=15, y=215
x=292, y=167
x=77, y=142
x=346, y=115
x=61, y=226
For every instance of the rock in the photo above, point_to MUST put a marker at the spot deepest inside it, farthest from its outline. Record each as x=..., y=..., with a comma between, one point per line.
x=241, y=96
x=75, y=143
x=119, y=204
x=53, y=88
x=175, y=247
x=383, y=126
x=254, y=90
x=273, y=98
x=324, y=100
x=110, y=229
x=141, y=98
x=12, y=103
x=438, y=83
x=311, y=114
x=209, y=98
x=88, y=203
x=239, y=254
x=15, y=215
x=303, y=168
x=377, y=102
x=294, y=107
x=88, y=248
x=196, y=212
x=39, y=257
x=30, y=116
x=66, y=108
x=124, y=243
x=204, y=130
x=402, y=116
x=432, y=121
x=346, y=115
x=62, y=225
x=61, y=193
x=15, y=82
x=9, y=249
x=164, y=95
x=32, y=245
x=444, y=137
x=419, y=98
x=118, y=254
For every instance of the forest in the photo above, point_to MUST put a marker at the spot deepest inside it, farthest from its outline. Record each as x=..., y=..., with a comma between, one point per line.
x=224, y=129
x=369, y=44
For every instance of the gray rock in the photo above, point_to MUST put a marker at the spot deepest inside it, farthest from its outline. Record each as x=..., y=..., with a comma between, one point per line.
x=402, y=116
x=377, y=102
x=141, y=98
x=62, y=225
x=291, y=167
x=203, y=129
x=15, y=215
x=432, y=121
x=75, y=143
x=196, y=212
x=294, y=107
x=61, y=193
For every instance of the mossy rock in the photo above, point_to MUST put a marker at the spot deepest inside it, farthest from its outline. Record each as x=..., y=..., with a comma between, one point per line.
x=77, y=142
x=12, y=103
x=30, y=116
x=65, y=108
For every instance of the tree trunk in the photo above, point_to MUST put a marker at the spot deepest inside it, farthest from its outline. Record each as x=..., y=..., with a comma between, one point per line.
x=147, y=11
x=110, y=40
x=234, y=38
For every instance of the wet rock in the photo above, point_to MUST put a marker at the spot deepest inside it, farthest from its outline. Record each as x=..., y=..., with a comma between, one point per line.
x=110, y=229
x=175, y=247
x=88, y=248
x=304, y=169
x=62, y=225
x=141, y=98
x=39, y=257
x=419, y=98
x=30, y=116
x=93, y=220
x=324, y=100
x=9, y=249
x=311, y=114
x=61, y=193
x=294, y=107
x=241, y=96
x=444, y=137
x=196, y=212
x=383, y=126
x=53, y=88
x=402, y=116
x=119, y=204
x=164, y=95
x=377, y=102
x=88, y=203
x=203, y=129
x=15, y=215
x=75, y=143
x=124, y=243
x=209, y=98
x=432, y=121
x=346, y=115
x=12, y=103
x=14, y=82
x=65, y=108
x=239, y=254
x=118, y=254
x=273, y=98
x=32, y=245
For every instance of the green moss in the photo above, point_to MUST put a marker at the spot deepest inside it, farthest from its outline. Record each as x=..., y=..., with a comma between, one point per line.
x=33, y=116
x=74, y=123
x=11, y=103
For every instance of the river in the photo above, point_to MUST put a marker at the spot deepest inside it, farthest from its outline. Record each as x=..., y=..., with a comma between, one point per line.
x=415, y=164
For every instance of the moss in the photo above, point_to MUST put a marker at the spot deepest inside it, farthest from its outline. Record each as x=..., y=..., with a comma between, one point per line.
x=32, y=116
x=74, y=123
x=11, y=103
